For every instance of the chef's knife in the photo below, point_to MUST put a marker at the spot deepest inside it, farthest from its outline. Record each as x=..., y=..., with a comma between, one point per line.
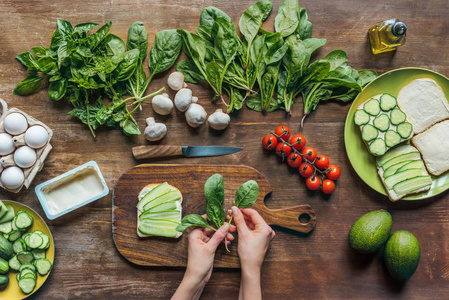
x=150, y=151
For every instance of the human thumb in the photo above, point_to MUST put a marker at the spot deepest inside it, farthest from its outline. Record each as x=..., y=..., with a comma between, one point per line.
x=218, y=236
x=239, y=220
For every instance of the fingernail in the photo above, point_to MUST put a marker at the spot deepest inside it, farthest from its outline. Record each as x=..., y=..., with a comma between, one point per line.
x=235, y=210
x=225, y=228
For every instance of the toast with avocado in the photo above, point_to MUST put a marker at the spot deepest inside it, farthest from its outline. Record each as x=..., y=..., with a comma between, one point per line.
x=159, y=211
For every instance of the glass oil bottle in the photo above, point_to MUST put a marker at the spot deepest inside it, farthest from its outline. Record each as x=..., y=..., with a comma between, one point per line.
x=387, y=36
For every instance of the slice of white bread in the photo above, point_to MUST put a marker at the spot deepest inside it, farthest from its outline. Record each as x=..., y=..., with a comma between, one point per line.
x=424, y=103
x=145, y=191
x=434, y=147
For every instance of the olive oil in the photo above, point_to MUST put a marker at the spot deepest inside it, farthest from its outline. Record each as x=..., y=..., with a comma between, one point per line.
x=387, y=36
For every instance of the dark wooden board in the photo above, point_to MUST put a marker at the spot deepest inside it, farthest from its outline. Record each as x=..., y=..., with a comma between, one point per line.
x=190, y=179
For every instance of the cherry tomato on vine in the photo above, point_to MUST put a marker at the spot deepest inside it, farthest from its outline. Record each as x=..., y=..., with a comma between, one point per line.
x=283, y=150
x=333, y=173
x=322, y=162
x=305, y=169
x=313, y=183
x=309, y=153
x=294, y=160
x=328, y=186
x=269, y=142
x=283, y=132
x=298, y=142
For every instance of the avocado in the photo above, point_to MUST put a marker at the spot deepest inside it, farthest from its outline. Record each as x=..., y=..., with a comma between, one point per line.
x=370, y=232
x=402, y=253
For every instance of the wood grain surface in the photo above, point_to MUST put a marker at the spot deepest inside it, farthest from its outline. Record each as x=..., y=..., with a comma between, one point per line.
x=190, y=179
x=319, y=265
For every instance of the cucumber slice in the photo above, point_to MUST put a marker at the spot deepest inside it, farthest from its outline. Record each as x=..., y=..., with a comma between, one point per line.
x=6, y=227
x=27, y=285
x=26, y=271
x=392, y=153
x=3, y=209
x=173, y=205
x=405, y=129
x=14, y=263
x=170, y=196
x=14, y=235
x=19, y=245
x=158, y=227
x=9, y=215
x=414, y=164
x=403, y=157
x=412, y=184
x=174, y=216
x=35, y=240
x=159, y=190
x=392, y=138
x=27, y=266
x=46, y=241
x=43, y=266
x=25, y=257
x=397, y=116
x=387, y=102
x=378, y=147
x=404, y=175
x=391, y=170
x=382, y=122
x=23, y=220
x=372, y=107
x=369, y=132
x=361, y=117
x=39, y=253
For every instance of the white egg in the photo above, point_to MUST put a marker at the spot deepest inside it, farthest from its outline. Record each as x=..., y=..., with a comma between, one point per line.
x=6, y=144
x=12, y=177
x=15, y=123
x=36, y=136
x=25, y=157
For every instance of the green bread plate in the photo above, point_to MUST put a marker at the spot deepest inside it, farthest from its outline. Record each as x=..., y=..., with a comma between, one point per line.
x=362, y=161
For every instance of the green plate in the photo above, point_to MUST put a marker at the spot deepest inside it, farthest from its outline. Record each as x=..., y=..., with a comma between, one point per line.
x=362, y=161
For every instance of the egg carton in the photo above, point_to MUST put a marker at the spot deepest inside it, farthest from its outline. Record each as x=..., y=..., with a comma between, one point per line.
x=19, y=140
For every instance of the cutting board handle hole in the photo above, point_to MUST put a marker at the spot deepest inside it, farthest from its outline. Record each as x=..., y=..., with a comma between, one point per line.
x=304, y=218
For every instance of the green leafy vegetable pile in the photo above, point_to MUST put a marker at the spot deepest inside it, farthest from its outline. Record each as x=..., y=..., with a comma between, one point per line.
x=85, y=68
x=277, y=62
x=245, y=197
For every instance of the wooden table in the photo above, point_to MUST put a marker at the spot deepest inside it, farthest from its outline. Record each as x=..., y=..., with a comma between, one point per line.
x=319, y=265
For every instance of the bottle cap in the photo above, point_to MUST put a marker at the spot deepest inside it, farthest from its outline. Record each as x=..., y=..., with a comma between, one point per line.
x=399, y=28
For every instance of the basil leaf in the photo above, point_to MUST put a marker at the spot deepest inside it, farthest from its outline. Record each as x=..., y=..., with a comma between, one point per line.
x=64, y=27
x=287, y=19
x=84, y=51
x=210, y=14
x=84, y=27
x=193, y=220
x=129, y=127
x=101, y=33
x=165, y=51
x=114, y=45
x=47, y=65
x=62, y=53
x=39, y=52
x=28, y=61
x=138, y=39
x=190, y=71
x=128, y=65
x=57, y=89
x=247, y=194
x=80, y=112
x=28, y=86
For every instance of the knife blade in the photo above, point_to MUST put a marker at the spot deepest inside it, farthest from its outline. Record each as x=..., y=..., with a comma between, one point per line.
x=158, y=151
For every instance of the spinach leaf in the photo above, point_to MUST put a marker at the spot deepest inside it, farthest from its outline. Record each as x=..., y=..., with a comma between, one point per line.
x=113, y=45
x=215, y=212
x=287, y=21
x=247, y=194
x=304, y=28
x=210, y=14
x=127, y=66
x=28, y=86
x=252, y=19
x=190, y=71
x=214, y=188
x=138, y=39
x=165, y=51
x=193, y=220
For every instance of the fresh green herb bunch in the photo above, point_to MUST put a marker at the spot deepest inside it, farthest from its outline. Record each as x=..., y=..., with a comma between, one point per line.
x=277, y=62
x=87, y=67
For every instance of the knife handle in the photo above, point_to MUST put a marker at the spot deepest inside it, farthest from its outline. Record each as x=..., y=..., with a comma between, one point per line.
x=150, y=151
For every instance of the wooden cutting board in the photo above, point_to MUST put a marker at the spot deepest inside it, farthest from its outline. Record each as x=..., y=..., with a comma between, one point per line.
x=190, y=179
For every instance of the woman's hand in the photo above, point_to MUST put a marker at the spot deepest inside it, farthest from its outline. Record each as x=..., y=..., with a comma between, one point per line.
x=203, y=243
x=255, y=237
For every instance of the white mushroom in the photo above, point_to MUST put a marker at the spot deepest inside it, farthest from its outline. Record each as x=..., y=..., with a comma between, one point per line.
x=183, y=99
x=219, y=120
x=154, y=131
x=176, y=81
x=195, y=115
x=162, y=104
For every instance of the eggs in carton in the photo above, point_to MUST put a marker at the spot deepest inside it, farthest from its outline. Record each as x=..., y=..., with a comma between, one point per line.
x=24, y=146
